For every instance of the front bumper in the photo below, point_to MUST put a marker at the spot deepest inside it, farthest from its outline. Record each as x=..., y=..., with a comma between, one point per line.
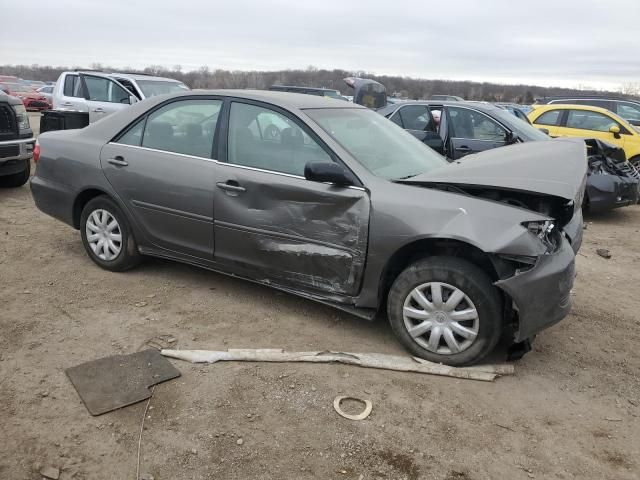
x=605, y=192
x=14, y=153
x=542, y=295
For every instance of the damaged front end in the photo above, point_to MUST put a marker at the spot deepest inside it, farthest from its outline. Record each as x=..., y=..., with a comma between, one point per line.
x=536, y=266
x=612, y=182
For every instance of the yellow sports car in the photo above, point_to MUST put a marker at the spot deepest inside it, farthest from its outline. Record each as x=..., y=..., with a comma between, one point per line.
x=588, y=122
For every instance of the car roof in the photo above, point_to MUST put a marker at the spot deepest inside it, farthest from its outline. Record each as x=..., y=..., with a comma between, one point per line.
x=287, y=100
x=590, y=108
x=482, y=106
x=131, y=76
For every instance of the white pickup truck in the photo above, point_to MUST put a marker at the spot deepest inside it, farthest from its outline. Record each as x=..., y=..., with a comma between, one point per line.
x=100, y=94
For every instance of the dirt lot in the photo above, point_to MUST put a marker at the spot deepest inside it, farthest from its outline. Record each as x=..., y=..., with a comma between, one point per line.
x=571, y=411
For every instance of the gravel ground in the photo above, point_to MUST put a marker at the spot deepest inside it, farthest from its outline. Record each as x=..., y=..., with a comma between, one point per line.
x=571, y=411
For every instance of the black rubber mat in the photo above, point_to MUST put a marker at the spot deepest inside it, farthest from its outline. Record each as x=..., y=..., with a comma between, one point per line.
x=114, y=382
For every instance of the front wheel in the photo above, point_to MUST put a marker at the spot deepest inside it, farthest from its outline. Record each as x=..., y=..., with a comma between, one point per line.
x=106, y=235
x=445, y=310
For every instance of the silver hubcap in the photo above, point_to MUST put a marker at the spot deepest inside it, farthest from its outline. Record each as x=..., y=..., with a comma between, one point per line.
x=440, y=318
x=104, y=235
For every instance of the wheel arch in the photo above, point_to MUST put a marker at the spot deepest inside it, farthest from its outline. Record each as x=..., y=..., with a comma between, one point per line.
x=84, y=197
x=427, y=247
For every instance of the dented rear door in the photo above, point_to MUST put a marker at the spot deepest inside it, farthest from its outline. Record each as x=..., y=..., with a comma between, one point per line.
x=290, y=230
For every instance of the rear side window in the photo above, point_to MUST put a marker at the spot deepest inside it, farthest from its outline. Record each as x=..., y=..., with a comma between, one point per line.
x=72, y=86
x=186, y=126
x=551, y=117
x=263, y=138
x=416, y=117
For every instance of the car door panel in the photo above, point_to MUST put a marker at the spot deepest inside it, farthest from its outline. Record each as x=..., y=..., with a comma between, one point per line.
x=170, y=195
x=292, y=230
x=470, y=131
x=103, y=95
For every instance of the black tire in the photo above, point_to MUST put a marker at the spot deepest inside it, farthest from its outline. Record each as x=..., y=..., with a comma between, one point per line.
x=17, y=179
x=128, y=256
x=468, y=278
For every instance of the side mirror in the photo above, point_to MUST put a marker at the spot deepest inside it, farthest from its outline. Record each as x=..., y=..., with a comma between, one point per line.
x=614, y=129
x=132, y=99
x=511, y=138
x=544, y=130
x=327, y=172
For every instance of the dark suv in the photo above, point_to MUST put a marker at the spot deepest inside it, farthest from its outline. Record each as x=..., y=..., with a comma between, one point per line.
x=16, y=142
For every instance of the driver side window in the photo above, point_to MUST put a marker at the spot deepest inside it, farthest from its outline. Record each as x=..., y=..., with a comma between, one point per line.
x=105, y=90
x=263, y=138
x=474, y=125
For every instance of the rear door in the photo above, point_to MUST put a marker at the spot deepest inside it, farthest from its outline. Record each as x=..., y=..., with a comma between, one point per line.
x=272, y=223
x=549, y=120
x=471, y=131
x=418, y=121
x=103, y=95
x=162, y=169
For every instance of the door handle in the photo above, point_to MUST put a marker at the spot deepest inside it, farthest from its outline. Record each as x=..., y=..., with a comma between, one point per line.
x=118, y=161
x=67, y=104
x=231, y=187
x=98, y=110
x=463, y=148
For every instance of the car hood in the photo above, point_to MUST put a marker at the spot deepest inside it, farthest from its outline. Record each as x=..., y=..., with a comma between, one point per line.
x=556, y=168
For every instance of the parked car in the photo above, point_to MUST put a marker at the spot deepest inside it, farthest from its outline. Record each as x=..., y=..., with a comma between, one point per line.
x=464, y=127
x=447, y=98
x=471, y=127
x=344, y=208
x=516, y=109
x=47, y=92
x=321, y=92
x=101, y=94
x=31, y=99
x=16, y=142
x=588, y=122
x=626, y=108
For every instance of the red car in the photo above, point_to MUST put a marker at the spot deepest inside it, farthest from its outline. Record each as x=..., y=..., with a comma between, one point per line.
x=31, y=99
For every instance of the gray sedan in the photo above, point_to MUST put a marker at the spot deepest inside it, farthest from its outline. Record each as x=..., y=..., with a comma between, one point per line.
x=332, y=202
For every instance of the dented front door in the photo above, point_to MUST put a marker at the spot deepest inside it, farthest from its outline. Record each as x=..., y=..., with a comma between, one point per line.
x=289, y=230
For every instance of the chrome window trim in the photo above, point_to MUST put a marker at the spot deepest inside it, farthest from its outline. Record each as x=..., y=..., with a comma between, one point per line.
x=353, y=187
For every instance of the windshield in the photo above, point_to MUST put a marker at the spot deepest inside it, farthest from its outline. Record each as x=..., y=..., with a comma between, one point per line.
x=379, y=145
x=519, y=126
x=151, y=88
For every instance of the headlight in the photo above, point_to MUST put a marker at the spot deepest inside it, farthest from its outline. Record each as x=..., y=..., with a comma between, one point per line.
x=545, y=231
x=22, y=117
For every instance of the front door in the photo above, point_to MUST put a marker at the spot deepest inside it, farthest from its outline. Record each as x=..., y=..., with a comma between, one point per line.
x=471, y=131
x=418, y=120
x=162, y=169
x=271, y=221
x=103, y=95
x=590, y=124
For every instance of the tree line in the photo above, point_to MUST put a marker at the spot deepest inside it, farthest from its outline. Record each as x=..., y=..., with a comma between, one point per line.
x=403, y=87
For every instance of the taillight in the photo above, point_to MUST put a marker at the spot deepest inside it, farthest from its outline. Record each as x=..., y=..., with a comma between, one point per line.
x=36, y=152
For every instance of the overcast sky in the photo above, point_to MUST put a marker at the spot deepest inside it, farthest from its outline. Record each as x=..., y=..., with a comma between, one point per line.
x=569, y=43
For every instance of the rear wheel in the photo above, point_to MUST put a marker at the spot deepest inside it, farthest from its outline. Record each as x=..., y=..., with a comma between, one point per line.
x=445, y=310
x=106, y=235
x=17, y=179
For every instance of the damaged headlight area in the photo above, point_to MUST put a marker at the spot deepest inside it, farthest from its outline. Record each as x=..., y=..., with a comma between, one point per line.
x=546, y=232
